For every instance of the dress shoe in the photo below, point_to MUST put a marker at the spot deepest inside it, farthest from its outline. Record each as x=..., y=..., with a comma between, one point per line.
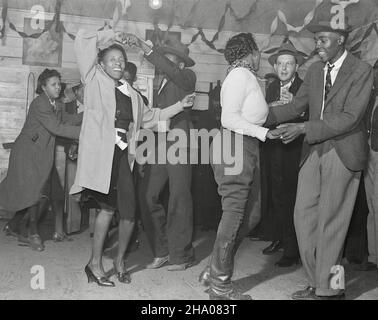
x=365, y=266
x=204, y=277
x=273, y=247
x=9, y=231
x=35, y=242
x=336, y=297
x=233, y=294
x=181, y=266
x=124, y=276
x=101, y=281
x=133, y=246
x=306, y=294
x=285, y=262
x=158, y=262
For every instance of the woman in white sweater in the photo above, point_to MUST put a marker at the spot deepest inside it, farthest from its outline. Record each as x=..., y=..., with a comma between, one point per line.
x=244, y=111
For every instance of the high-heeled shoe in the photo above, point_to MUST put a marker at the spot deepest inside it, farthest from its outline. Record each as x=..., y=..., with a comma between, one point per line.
x=123, y=277
x=101, y=281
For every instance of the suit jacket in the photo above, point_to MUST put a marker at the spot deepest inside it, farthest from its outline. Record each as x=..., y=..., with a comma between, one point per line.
x=343, y=114
x=32, y=155
x=273, y=90
x=67, y=112
x=371, y=109
x=180, y=83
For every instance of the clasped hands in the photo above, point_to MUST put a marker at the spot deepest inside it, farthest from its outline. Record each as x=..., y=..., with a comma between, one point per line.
x=188, y=101
x=128, y=39
x=287, y=132
x=286, y=97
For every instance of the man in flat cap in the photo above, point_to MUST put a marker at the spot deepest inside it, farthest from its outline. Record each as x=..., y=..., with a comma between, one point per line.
x=336, y=90
x=280, y=162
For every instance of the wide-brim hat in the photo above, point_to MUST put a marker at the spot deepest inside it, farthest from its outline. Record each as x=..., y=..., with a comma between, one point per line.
x=178, y=49
x=326, y=26
x=69, y=90
x=287, y=48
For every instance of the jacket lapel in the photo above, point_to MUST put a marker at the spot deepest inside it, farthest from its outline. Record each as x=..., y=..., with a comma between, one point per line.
x=134, y=102
x=342, y=76
x=317, y=92
x=296, y=84
x=163, y=85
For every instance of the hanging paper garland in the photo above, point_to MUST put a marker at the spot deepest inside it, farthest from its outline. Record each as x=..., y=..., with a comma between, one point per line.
x=120, y=10
x=200, y=33
x=4, y=13
x=34, y=35
x=47, y=27
x=123, y=5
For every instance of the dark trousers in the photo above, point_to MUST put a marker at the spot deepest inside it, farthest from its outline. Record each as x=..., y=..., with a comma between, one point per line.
x=168, y=232
x=356, y=242
x=237, y=218
x=280, y=168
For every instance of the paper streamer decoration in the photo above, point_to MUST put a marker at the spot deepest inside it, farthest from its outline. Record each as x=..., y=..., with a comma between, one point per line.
x=306, y=20
x=120, y=10
x=4, y=13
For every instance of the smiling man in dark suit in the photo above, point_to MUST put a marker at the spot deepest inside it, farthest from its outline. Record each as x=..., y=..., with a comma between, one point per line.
x=337, y=90
x=280, y=162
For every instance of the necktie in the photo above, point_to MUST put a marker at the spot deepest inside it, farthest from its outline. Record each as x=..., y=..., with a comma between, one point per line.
x=374, y=129
x=162, y=84
x=328, y=84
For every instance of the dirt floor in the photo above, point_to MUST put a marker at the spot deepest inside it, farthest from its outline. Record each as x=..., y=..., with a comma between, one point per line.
x=64, y=263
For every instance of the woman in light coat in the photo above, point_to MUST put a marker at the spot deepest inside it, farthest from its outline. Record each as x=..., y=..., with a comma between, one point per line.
x=104, y=168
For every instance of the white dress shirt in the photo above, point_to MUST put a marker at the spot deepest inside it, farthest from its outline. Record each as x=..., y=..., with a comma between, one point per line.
x=337, y=65
x=244, y=109
x=286, y=87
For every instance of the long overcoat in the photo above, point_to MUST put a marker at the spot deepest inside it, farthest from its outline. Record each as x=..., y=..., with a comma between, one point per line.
x=32, y=155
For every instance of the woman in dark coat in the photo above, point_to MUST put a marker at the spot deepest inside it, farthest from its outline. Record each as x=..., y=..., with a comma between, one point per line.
x=32, y=154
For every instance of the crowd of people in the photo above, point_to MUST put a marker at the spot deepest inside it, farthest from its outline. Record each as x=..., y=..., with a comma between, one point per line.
x=311, y=142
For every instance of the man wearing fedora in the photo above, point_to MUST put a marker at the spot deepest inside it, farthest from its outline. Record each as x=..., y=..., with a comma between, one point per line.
x=170, y=233
x=335, y=91
x=280, y=162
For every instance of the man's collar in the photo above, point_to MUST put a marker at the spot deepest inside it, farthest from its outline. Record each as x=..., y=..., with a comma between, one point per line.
x=289, y=84
x=337, y=64
x=124, y=88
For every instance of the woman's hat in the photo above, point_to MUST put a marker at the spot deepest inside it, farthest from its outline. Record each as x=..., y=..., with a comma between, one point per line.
x=178, y=49
x=287, y=48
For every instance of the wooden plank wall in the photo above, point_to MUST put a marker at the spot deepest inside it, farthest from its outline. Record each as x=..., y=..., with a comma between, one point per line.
x=210, y=67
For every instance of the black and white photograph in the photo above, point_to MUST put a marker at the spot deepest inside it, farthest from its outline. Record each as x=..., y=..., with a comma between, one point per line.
x=179, y=153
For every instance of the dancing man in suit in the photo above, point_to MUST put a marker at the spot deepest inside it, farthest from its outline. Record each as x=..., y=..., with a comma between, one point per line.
x=170, y=233
x=336, y=90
